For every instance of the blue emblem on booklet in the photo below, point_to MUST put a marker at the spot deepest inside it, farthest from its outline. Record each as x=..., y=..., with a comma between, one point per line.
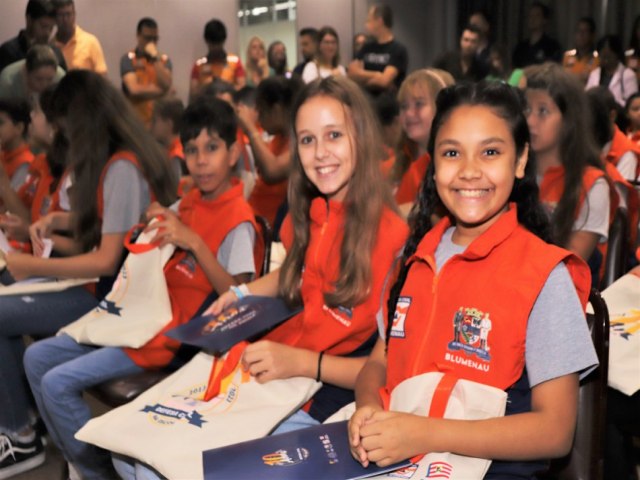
x=243, y=320
x=319, y=452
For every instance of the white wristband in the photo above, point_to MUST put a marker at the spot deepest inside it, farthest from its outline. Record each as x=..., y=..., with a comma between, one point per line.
x=240, y=291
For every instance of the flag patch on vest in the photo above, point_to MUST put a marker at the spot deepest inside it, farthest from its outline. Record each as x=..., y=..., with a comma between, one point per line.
x=471, y=329
x=187, y=265
x=399, y=317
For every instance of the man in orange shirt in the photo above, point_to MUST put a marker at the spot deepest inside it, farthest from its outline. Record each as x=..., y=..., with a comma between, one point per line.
x=146, y=73
x=80, y=49
x=217, y=63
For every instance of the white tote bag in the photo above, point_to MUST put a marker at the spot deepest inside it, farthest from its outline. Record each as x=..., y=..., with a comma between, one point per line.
x=172, y=424
x=138, y=305
x=435, y=394
x=623, y=302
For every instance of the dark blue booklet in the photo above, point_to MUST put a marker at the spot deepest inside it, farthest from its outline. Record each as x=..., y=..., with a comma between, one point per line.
x=317, y=453
x=248, y=317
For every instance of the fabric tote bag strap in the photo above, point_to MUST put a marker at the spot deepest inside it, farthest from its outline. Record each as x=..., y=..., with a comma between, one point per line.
x=223, y=368
x=439, y=400
x=139, y=245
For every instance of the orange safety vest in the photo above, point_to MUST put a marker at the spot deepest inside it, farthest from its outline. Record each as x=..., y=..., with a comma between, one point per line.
x=339, y=330
x=204, y=70
x=552, y=187
x=471, y=317
x=175, y=150
x=145, y=75
x=265, y=198
x=387, y=164
x=621, y=144
x=187, y=283
x=412, y=179
x=633, y=201
x=13, y=159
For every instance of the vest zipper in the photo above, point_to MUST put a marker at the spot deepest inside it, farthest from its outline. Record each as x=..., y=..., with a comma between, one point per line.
x=323, y=229
x=434, y=303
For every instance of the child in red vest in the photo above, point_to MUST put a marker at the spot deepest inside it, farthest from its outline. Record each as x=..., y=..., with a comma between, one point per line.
x=165, y=128
x=214, y=232
x=342, y=218
x=15, y=156
x=573, y=185
x=632, y=109
x=274, y=100
x=40, y=192
x=117, y=169
x=417, y=97
x=487, y=259
x=342, y=236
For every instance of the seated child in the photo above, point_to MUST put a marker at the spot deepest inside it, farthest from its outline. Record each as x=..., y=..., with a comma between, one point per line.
x=15, y=156
x=213, y=230
x=165, y=128
x=489, y=257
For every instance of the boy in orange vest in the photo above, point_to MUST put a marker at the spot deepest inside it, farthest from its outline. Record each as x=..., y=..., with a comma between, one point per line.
x=165, y=128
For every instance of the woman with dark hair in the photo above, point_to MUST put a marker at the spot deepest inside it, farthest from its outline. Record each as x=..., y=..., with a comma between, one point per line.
x=466, y=271
x=573, y=184
x=277, y=59
x=612, y=73
x=116, y=169
x=326, y=61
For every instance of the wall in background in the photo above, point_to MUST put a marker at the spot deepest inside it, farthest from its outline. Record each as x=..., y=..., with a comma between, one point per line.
x=425, y=27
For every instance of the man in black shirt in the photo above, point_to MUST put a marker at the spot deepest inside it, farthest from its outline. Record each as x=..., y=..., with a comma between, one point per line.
x=40, y=20
x=308, y=46
x=381, y=65
x=539, y=47
x=463, y=64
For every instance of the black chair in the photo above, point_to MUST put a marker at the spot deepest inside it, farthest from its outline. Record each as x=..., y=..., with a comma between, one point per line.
x=118, y=391
x=618, y=249
x=586, y=459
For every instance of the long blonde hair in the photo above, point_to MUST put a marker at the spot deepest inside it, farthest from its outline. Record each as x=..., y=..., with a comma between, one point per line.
x=366, y=197
x=432, y=80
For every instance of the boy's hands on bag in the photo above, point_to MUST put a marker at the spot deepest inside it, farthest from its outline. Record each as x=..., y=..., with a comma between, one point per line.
x=267, y=360
x=169, y=228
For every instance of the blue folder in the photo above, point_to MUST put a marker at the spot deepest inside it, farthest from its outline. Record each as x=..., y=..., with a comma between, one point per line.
x=243, y=320
x=315, y=453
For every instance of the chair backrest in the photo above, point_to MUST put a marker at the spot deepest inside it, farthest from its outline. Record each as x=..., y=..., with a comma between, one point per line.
x=263, y=252
x=618, y=249
x=585, y=461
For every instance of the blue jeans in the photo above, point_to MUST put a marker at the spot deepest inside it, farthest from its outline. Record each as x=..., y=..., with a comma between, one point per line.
x=40, y=314
x=296, y=421
x=59, y=369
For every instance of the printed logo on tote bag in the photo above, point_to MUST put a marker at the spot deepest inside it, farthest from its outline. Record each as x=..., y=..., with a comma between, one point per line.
x=189, y=405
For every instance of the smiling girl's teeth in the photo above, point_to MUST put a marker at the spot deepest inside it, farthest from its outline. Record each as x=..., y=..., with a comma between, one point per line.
x=472, y=193
x=325, y=170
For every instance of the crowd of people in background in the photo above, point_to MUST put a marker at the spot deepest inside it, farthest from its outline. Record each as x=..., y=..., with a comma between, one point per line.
x=359, y=146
